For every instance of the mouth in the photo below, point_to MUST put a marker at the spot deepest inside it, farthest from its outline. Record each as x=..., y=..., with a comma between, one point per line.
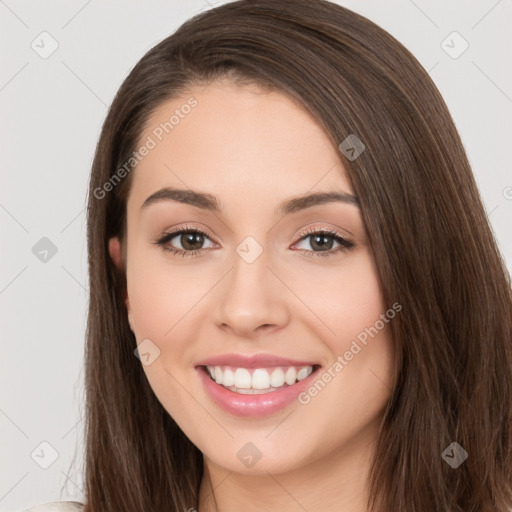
x=257, y=381
x=256, y=392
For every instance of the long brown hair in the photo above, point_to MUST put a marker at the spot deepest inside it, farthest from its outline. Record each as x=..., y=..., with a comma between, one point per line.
x=433, y=247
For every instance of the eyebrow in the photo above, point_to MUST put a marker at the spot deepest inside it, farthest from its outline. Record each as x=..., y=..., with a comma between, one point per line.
x=209, y=202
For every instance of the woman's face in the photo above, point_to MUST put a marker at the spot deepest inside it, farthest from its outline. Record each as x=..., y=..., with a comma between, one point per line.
x=263, y=280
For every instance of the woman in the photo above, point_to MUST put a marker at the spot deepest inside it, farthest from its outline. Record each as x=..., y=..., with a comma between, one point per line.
x=296, y=301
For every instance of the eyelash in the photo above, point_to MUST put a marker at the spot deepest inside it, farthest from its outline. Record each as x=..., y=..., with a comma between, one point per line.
x=345, y=244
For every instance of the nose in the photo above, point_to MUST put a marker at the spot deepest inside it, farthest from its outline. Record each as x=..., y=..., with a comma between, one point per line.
x=252, y=299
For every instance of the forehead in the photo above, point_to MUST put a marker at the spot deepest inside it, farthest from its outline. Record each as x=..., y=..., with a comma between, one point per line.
x=236, y=142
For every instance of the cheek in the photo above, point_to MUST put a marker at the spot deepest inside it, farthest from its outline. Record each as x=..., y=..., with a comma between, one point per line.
x=160, y=298
x=348, y=299
x=351, y=392
x=161, y=294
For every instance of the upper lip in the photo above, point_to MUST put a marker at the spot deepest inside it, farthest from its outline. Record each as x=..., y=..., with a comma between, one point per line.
x=252, y=361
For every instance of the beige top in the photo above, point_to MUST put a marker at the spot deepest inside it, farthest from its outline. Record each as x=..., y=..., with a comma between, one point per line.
x=57, y=506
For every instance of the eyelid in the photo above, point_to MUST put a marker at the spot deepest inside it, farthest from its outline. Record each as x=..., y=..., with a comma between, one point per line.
x=328, y=229
x=175, y=230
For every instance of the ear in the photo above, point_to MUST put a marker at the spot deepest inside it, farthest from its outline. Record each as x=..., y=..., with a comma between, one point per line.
x=114, y=249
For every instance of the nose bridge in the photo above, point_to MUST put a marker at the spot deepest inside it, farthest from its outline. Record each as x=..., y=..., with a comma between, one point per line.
x=251, y=296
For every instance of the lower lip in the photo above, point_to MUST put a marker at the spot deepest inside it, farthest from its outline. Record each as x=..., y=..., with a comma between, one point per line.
x=262, y=404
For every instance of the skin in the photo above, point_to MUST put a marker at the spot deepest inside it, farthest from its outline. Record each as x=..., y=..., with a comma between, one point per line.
x=253, y=149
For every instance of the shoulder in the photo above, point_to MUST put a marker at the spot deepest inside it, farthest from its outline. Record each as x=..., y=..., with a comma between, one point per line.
x=57, y=506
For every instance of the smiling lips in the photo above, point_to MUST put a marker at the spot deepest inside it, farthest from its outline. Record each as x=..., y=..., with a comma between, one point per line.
x=254, y=385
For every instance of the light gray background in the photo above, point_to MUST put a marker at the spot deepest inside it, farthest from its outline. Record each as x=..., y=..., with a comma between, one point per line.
x=51, y=113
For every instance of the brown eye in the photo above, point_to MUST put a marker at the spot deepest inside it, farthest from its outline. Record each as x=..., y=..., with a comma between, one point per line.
x=322, y=241
x=191, y=241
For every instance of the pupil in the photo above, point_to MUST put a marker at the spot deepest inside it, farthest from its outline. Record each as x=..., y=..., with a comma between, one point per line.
x=188, y=241
x=321, y=241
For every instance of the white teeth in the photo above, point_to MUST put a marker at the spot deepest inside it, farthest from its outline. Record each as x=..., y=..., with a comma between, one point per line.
x=290, y=376
x=277, y=378
x=228, y=378
x=260, y=379
x=269, y=379
x=304, y=372
x=242, y=378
